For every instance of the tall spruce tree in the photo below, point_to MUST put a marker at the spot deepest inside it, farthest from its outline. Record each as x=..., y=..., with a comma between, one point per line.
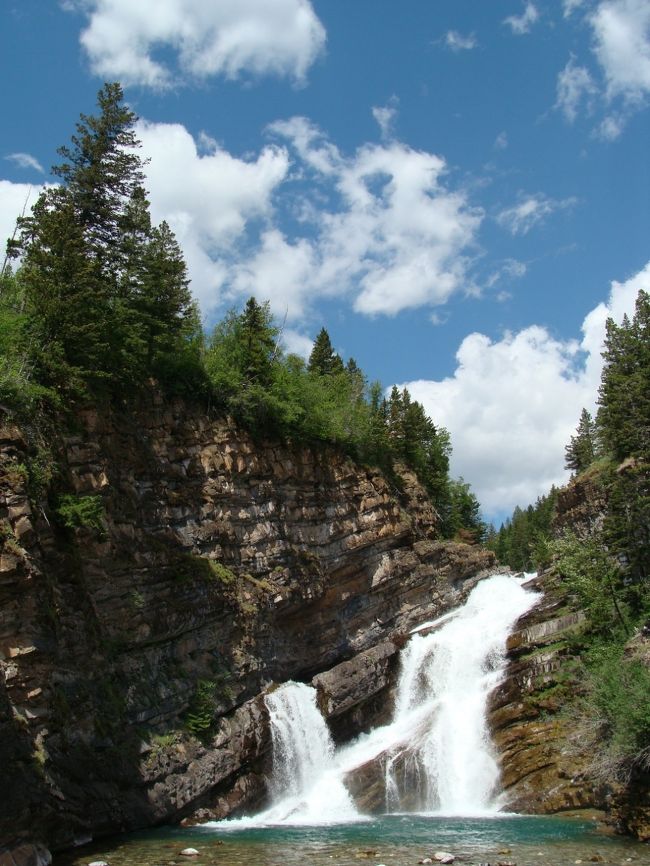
x=323, y=359
x=582, y=449
x=624, y=395
x=106, y=294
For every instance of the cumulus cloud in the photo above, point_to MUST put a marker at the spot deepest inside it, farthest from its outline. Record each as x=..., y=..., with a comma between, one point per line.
x=296, y=343
x=575, y=87
x=512, y=404
x=26, y=160
x=621, y=30
x=529, y=211
x=381, y=227
x=622, y=45
x=394, y=236
x=123, y=39
x=501, y=141
x=521, y=24
x=457, y=42
x=208, y=197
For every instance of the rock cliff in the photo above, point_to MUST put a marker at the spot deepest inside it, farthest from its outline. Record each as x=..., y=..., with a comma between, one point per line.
x=134, y=653
x=544, y=742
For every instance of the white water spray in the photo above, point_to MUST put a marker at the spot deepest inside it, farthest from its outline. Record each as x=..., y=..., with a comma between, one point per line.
x=449, y=765
x=436, y=753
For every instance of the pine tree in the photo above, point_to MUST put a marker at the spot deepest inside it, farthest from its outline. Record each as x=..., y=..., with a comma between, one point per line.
x=323, y=360
x=259, y=343
x=582, y=449
x=83, y=247
x=164, y=297
x=103, y=174
x=624, y=395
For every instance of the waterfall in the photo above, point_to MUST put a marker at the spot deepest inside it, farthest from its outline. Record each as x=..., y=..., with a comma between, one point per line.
x=305, y=785
x=435, y=755
x=447, y=764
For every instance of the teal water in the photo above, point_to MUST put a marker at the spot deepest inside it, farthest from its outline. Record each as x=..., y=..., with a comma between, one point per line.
x=393, y=840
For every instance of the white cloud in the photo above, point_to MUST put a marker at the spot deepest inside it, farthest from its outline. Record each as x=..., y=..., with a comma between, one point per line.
x=575, y=87
x=229, y=38
x=26, y=160
x=209, y=199
x=512, y=404
x=457, y=42
x=531, y=210
x=278, y=271
x=570, y=6
x=381, y=227
x=511, y=269
x=385, y=116
x=394, y=238
x=622, y=45
x=521, y=24
x=296, y=343
x=501, y=141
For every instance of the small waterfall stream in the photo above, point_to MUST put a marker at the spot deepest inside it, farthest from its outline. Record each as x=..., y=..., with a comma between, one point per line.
x=436, y=754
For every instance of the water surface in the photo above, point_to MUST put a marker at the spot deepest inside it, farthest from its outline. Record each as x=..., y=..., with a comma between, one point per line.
x=393, y=840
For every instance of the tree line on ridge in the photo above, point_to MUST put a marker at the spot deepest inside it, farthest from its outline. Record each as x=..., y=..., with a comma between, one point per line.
x=99, y=305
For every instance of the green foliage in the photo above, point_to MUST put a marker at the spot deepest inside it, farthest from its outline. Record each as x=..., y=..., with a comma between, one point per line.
x=105, y=297
x=323, y=359
x=199, y=718
x=624, y=396
x=272, y=393
x=462, y=514
x=81, y=512
x=221, y=572
x=523, y=541
x=582, y=449
x=595, y=578
x=618, y=698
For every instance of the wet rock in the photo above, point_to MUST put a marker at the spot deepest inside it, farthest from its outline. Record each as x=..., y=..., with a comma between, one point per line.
x=444, y=857
x=25, y=854
x=189, y=852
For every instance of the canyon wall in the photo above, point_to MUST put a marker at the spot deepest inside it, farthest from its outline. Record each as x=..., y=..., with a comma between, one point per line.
x=134, y=652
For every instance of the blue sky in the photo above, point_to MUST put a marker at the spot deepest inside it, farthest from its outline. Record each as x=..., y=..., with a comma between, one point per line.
x=458, y=191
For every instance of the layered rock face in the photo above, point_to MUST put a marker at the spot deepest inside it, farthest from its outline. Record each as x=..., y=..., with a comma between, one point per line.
x=543, y=767
x=223, y=565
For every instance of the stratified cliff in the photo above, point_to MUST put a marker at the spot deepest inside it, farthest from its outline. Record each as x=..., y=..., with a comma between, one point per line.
x=221, y=565
x=549, y=760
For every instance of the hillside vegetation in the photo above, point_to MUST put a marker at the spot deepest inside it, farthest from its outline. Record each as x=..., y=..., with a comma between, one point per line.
x=99, y=308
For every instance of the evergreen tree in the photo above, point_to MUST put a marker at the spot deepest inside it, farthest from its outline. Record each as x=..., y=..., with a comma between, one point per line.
x=259, y=343
x=323, y=360
x=103, y=174
x=164, y=298
x=582, y=449
x=624, y=395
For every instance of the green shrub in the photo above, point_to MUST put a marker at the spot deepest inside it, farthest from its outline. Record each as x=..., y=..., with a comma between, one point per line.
x=85, y=512
x=199, y=718
x=618, y=698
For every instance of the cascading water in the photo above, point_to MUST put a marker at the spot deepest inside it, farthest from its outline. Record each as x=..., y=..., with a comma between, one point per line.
x=305, y=786
x=436, y=753
x=447, y=764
